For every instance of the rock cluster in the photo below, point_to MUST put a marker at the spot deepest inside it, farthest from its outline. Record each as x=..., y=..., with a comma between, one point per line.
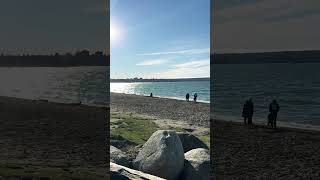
x=167, y=155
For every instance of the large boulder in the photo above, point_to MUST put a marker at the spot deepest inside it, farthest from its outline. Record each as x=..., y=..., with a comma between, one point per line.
x=197, y=164
x=162, y=155
x=118, y=172
x=119, y=157
x=190, y=142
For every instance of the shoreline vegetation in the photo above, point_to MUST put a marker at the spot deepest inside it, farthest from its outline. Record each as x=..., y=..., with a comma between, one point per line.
x=306, y=56
x=49, y=140
x=261, y=152
x=79, y=58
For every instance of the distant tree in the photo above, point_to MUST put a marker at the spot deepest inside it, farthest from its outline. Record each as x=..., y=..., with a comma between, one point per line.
x=68, y=54
x=98, y=53
x=83, y=53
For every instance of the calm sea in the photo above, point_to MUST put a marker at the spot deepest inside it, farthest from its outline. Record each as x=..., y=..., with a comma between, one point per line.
x=173, y=90
x=295, y=86
x=68, y=84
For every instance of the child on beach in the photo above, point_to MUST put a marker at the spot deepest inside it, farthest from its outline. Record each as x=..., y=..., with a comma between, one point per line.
x=195, y=96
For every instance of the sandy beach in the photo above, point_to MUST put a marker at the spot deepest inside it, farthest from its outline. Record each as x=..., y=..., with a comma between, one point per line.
x=258, y=152
x=162, y=108
x=38, y=134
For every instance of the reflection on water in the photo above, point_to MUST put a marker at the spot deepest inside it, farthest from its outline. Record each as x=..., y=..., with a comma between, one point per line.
x=173, y=90
x=63, y=84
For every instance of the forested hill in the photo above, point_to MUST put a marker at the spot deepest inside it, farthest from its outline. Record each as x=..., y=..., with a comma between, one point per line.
x=312, y=56
x=83, y=58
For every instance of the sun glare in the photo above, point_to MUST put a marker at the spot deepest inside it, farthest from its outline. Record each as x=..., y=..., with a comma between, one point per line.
x=114, y=34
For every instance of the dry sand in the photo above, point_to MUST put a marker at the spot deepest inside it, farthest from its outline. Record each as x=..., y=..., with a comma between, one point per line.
x=195, y=114
x=46, y=134
x=258, y=152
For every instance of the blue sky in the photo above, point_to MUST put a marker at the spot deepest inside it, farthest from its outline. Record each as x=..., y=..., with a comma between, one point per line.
x=265, y=25
x=42, y=26
x=160, y=39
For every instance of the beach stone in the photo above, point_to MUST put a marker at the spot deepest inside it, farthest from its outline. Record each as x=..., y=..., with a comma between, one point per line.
x=118, y=172
x=162, y=155
x=119, y=157
x=189, y=141
x=197, y=164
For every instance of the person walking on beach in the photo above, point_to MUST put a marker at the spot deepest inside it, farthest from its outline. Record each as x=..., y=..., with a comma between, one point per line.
x=195, y=96
x=247, y=111
x=274, y=109
x=151, y=95
x=187, y=97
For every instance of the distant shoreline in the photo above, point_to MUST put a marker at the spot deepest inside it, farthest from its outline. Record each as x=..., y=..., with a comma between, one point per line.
x=160, y=80
x=306, y=56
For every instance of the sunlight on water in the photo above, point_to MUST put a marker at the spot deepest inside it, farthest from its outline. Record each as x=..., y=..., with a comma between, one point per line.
x=126, y=88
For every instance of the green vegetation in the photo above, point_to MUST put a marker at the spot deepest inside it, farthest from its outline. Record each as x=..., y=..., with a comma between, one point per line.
x=138, y=129
x=132, y=128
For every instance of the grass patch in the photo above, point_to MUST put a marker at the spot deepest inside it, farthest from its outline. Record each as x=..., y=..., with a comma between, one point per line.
x=133, y=128
x=138, y=129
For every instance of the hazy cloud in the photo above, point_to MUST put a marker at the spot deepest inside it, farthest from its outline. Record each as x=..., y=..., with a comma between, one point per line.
x=152, y=62
x=191, y=69
x=181, y=52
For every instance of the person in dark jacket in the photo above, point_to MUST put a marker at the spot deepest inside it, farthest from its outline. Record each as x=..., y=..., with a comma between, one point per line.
x=274, y=109
x=195, y=96
x=247, y=111
x=187, y=96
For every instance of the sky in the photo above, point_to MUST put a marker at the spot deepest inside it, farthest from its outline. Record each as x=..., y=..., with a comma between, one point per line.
x=265, y=25
x=160, y=39
x=41, y=26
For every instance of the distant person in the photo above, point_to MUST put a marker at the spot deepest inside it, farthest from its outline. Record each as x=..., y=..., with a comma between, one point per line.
x=195, y=96
x=247, y=111
x=274, y=109
x=151, y=95
x=187, y=97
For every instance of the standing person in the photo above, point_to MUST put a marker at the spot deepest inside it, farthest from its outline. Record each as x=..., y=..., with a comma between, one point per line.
x=187, y=97
x=195, y=96
x=250, y=111
x=245, y=112
x=151, y=95
x=274, y=109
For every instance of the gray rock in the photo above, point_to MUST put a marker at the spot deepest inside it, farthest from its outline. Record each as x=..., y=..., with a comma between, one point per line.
x=162, y=155
x=119, y=157
x=197, y=164
x=118, y=172
x=190, y=142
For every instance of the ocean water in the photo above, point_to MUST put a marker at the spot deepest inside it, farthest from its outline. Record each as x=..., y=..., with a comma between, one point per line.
x=296, y=87
x=59, y=84
x=173, y=90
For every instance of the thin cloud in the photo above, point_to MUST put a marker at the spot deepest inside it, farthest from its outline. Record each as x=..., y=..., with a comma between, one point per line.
x=181, y=52
x=191, y=69
x=152, y=62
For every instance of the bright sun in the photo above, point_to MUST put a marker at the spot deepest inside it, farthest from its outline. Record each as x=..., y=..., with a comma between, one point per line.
x=114, y=34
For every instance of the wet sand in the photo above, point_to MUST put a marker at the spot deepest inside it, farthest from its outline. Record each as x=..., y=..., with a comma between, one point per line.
x=47, y=134
x=192, y=113
x=259, y=152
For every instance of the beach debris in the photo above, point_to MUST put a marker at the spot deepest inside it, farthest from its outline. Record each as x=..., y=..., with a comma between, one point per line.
x=197, y=164
x=119, y=157
x=118, y=172
x=189, y=141
x=162, y=155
